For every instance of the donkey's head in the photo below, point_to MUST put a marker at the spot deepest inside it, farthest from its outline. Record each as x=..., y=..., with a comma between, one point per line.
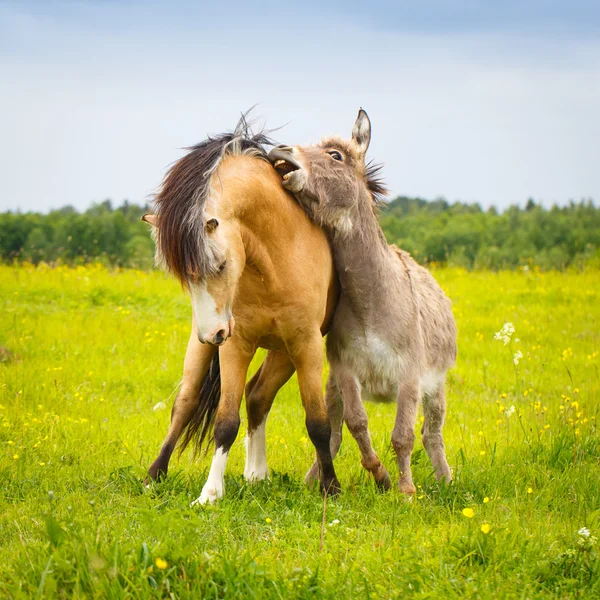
x=331, y=180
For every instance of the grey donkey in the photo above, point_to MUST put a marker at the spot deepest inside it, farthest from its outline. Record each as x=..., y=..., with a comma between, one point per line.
x=393, y=334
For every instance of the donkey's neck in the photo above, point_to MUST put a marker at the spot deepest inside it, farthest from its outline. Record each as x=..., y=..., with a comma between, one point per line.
x=362, y=258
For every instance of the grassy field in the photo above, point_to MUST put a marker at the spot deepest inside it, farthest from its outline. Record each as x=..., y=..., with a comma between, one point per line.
x=95, y=351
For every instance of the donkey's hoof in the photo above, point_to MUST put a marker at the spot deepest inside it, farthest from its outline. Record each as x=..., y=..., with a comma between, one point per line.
x=312, y=475
x=407, y=488
x=331, y=487
x=444, y=475
x=384, y=483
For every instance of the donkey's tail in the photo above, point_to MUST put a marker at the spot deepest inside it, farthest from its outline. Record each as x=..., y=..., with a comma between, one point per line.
x=199, y=429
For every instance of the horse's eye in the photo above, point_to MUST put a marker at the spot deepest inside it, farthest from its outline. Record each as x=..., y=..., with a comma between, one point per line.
x=222, y=266
x=336, y=155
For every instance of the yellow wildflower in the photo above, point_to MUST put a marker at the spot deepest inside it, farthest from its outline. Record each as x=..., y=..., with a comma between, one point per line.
x=485, y=528
x=161, y=563
x=468, y=512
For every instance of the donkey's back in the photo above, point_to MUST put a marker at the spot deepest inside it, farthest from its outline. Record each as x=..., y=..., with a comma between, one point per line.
x=438, y=326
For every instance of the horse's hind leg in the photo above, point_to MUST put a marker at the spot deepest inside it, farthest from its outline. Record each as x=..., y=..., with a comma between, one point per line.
x=403, y=436
x=335, y=412
x=195, y=366
x=434, y=411
x=260, y=393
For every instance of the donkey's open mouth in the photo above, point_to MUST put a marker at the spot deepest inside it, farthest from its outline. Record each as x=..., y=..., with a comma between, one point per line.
x=283, y=161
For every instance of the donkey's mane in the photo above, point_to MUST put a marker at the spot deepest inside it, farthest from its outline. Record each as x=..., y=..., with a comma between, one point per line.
x=182, y=245
x=375, y=182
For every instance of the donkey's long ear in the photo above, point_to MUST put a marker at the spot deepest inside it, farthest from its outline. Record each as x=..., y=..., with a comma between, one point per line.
x=152, y=219
x=361, y=132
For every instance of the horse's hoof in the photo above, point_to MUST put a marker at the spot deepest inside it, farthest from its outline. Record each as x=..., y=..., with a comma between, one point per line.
x=156, y=472
x=331, y=488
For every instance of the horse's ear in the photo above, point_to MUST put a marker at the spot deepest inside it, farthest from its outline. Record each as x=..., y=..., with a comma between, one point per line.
x=152, y=219
x=361, y=132
x=211, y=225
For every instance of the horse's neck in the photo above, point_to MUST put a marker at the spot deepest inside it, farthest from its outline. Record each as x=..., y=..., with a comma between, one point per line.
x=264, y=230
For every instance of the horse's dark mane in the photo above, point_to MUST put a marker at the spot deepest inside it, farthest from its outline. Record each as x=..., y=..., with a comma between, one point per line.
x=181, y=241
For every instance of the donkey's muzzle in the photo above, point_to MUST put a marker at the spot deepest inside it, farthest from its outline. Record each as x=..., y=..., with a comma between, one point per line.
x=282, y=158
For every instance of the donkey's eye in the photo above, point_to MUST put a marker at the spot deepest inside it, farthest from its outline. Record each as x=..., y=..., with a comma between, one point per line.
x=222, y=266
x=336, y=155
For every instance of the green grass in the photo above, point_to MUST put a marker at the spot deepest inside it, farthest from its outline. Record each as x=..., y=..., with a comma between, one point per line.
x=96, y=350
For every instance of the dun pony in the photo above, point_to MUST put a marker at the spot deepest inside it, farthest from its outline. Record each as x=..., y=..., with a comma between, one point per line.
x=260, y=275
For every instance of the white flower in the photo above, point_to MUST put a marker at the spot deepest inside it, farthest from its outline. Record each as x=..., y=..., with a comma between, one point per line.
x=518, y=356
x=505, y=333
x=510, y=411
x=159, y=406
x=334, y=522
x=584, y=532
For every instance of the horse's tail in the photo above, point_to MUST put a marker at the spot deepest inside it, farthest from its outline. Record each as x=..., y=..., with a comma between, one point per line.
x=199, y=429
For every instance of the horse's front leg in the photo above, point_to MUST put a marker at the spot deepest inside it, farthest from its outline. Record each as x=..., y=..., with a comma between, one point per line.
x=307, y=356
x=260, y=393
x=335, y=411
x=195, y=366
x=235, y=359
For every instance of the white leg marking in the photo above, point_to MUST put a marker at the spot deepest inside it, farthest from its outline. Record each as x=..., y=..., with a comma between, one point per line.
x=256, y=454
x=214, y=488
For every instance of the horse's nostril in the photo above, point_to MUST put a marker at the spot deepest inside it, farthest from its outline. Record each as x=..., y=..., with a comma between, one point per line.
x=220, y=337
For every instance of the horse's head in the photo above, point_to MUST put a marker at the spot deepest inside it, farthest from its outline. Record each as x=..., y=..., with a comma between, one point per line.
x=331, y=180
x=212, y=283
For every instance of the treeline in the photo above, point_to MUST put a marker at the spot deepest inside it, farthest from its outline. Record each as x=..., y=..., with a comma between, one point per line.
x=457, y=234
x=115, y=236
x=465, y=235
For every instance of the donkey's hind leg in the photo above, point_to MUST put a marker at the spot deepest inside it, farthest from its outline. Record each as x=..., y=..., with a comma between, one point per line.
x=403, y=436
x=335, y=412
x=434, y=411
x=260, y=393
x=198, y=358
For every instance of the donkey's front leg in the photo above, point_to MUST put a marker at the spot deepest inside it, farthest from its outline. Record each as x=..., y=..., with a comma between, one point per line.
x=235, y=359
x=308, y=360
x=357, y=421
x=195, y=366
x=260, y=393
x=403, y=436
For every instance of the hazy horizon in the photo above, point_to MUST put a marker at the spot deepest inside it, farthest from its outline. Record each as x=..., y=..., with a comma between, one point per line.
x=471, y=102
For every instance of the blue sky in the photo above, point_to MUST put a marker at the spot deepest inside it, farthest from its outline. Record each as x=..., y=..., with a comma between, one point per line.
x=478, y=101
